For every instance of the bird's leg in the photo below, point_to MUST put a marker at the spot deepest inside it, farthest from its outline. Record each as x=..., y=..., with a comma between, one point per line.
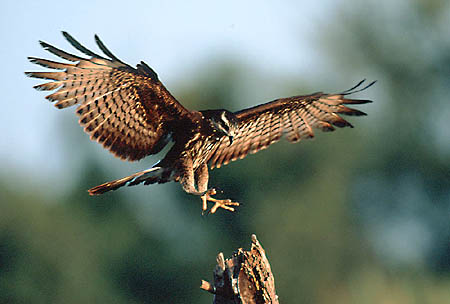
x=202, y=176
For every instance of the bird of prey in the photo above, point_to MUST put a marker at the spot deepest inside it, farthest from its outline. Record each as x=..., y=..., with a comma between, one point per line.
x=131, y=113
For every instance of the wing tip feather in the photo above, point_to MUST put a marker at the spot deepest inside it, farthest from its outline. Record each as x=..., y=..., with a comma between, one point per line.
x=357, y=88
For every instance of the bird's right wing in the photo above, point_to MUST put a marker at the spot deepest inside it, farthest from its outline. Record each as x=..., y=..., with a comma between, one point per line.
x=128, y=110
x=295, y=117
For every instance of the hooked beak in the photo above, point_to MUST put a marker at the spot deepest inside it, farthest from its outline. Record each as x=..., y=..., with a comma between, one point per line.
x=230, y=137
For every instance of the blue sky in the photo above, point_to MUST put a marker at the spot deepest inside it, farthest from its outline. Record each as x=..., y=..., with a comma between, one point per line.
x=174, y=37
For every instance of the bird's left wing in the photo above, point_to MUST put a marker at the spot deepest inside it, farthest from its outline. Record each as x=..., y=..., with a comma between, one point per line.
x=296, y=117
x=128, y=110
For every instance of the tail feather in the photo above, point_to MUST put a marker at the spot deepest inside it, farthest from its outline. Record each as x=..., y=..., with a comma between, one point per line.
x=148, y=176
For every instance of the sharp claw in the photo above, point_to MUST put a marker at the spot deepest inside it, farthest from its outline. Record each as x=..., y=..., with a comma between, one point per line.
x=204, y=203
x=224, y=204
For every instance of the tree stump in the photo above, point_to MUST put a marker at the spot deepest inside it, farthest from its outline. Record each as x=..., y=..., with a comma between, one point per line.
x=245, y=278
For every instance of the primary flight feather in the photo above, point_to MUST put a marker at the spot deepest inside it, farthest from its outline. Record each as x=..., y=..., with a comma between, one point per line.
x=130, y=112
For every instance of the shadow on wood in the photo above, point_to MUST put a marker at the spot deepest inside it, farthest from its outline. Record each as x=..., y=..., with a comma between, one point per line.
x=244, y=278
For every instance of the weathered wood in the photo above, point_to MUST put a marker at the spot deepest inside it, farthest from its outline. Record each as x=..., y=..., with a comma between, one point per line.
x=245, y=278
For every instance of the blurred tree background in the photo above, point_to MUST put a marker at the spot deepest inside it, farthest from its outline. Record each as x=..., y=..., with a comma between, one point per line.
x=357, y=216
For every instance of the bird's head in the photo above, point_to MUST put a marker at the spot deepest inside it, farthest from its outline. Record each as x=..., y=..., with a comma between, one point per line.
x=223, y=122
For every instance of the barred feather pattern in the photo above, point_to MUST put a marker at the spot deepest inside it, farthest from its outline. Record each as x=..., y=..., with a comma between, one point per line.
x=294, y=117
x=128, y=110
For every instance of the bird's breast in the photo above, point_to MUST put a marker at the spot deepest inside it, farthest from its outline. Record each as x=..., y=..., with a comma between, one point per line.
x=200, y=149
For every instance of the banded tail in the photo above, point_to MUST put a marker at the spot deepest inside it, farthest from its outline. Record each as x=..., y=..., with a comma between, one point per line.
x=149, y=176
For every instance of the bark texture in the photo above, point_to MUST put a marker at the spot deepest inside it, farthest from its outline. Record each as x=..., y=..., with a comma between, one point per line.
x=245, y=278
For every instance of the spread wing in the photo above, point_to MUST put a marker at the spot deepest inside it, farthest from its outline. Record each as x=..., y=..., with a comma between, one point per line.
x=128, y=110
x=295, y=117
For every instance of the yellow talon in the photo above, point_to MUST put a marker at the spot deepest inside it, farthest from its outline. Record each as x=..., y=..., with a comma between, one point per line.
x=218, y=203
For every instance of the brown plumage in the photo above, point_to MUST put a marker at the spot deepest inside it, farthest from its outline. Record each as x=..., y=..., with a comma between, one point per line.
x=130, y=112
x=295, y=117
